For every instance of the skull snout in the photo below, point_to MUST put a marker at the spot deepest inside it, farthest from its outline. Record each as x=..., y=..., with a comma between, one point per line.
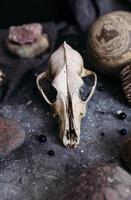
x=69, y=88
x=68, y=132
x=71, y=134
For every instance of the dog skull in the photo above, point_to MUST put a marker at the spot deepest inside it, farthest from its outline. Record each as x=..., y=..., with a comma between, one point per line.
x=67, y=89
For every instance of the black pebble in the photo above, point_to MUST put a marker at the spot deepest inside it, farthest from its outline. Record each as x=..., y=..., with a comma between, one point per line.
x=20, y=180
x=51, y=153
x=123, y=131
x=67, y=168
x=102, y=113
x=102, y=134
x=121, y=115
x=42, y=138
x=101, y=88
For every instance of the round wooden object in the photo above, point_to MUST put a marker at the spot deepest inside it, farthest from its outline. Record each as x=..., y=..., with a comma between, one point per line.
x=109, y=42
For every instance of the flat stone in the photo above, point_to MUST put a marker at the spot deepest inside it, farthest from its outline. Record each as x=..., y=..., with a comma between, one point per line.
x=109, y=182
x=11, y=136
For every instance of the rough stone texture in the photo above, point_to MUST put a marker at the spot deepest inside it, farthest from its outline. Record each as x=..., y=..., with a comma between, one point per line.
x=29, y=173
x=38, y=47
x=25, y=34
x=11, y=136
x=27, y=41
x=107, y=182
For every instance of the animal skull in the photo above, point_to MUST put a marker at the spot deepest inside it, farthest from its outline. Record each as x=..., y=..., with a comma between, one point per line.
x=69, y=90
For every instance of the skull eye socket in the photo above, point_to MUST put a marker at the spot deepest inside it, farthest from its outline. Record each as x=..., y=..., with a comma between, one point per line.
x=86, y=89
x=47, y=88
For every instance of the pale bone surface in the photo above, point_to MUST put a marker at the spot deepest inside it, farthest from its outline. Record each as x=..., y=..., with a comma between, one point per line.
x=66, y=70
x=110, y=41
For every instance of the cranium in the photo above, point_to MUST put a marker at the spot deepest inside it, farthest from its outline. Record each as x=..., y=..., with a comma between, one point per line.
x=68, y=91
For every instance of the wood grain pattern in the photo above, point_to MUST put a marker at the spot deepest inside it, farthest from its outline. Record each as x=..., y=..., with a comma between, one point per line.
x=109, y=41
x=126, y=82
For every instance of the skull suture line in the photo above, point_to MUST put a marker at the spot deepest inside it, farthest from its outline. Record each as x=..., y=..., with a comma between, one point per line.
x=67, y=88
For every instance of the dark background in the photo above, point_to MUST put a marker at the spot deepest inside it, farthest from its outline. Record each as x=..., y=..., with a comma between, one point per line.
x=14, y=12
x=29, y=173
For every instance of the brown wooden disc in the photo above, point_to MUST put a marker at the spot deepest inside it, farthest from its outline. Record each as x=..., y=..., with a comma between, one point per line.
x=109, y=41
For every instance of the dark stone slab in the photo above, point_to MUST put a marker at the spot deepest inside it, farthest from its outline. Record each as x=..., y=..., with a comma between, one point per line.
x=101, y=183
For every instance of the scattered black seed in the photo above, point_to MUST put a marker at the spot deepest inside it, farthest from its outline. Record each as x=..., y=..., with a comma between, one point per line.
x=102, y=133
x=20, y=180
x=42, y=138
x=67, y=168
x=121, y=115
x=101, y=88
x=51, y=153
x=102, y=113
x=123, y=131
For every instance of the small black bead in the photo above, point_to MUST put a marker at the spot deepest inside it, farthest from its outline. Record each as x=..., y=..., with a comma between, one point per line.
x=42, y=138
x=123, y=131
x=20, y=180
x=101, y=88
x=51, y=153
x=121, y=115
x=102, y=134
x=67, y=168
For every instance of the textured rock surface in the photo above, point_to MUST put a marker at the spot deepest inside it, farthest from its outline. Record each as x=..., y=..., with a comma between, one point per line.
x=29, y=173
x=27, y=41
x=15, y=68
x=25, y=34
x=29, y=50
x=11, y=136
x=107, y=182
